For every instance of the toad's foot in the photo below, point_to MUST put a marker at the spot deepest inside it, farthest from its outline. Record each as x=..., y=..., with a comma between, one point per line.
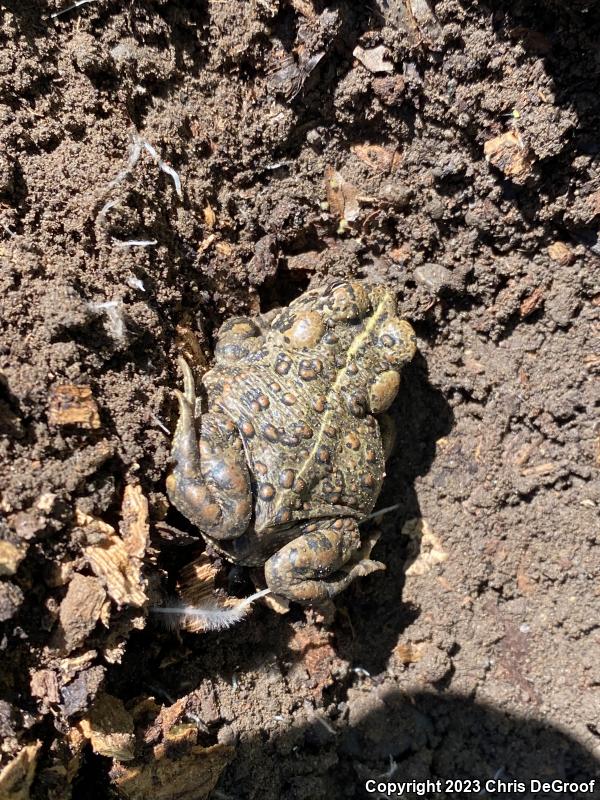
x=209, y=482
x=314, y=567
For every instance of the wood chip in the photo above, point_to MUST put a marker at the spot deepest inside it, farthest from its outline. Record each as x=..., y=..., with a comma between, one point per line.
x=375, y=59
x=10, y=557
x=189, y=776
x=73, y=405
x=196, y=587
x=531, y=303
x=509, y=154
x=134, y=521
x=408, y=653
x=381, y=159
x=561, y=253
x=546, y=468
x=44, y=685
x=80, y=610
x=425, y=550
x=341, y=196
x=16, y=777
x=110, y=561
x=109, y=728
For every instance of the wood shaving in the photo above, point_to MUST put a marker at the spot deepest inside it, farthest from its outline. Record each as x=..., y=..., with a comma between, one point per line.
x=134, y=521
x=110, y=561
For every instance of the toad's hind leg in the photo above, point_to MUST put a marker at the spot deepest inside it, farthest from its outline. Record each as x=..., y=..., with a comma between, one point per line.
x=209, y=482
x=318, y=564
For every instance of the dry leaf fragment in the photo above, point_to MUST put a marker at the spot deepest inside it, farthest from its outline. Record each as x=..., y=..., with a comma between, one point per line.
x=561, y=253
x=531, y=303
x=380, y=158
x=424, y=550
x=16, y=777
x=341, y=196
x=191, y=776
x=509, y=154
x=134, y=521
x=80, y=610
x=210, y=218
x=374, y=59
x=109, y=728
x=73, y=405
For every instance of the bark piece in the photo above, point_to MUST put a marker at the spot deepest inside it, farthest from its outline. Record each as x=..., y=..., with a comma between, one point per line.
x=531, y=303
x=73, y=405
x=375, y=59
x=109, y=728
x=510, y=155
x=189, y=776
x=80, y=610
x=561, y=253
x=17, y=776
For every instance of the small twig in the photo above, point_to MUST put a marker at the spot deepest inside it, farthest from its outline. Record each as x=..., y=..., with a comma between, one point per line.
x=76, y=4
x=160, y=424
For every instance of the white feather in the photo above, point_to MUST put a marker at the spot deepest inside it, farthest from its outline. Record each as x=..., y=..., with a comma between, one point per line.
x=211, y=615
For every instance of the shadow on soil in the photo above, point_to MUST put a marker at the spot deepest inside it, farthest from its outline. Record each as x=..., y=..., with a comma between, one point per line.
x=410, y=737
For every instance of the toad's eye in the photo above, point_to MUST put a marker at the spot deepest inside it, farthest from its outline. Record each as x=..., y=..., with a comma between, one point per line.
x=348, y=301
x=398, y=342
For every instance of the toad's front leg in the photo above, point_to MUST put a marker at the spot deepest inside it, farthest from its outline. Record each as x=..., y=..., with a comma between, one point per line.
x=318, y=564
x=209, y=482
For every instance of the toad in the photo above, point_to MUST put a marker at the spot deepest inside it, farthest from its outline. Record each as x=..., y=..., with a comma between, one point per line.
x=290, y=454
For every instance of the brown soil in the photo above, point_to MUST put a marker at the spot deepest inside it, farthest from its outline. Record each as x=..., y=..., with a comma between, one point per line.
x=467, y=177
